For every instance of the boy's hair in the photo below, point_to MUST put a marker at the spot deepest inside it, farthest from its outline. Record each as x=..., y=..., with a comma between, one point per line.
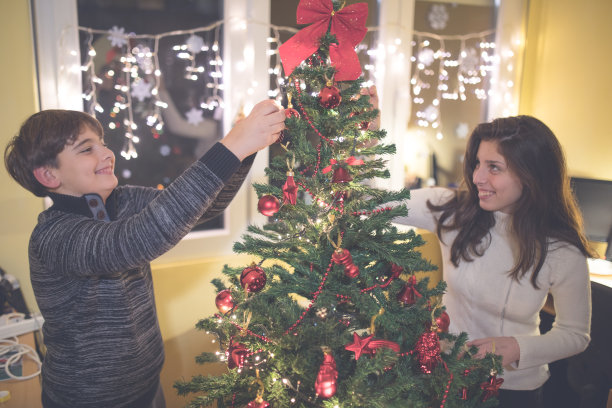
x=41, y=138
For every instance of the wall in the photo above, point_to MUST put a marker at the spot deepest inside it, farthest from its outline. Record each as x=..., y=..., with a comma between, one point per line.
x=559, y=65
x=18, y=207
x=566, y=79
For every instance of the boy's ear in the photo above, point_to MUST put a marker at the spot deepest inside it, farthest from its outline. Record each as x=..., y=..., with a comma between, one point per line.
x=46, y=177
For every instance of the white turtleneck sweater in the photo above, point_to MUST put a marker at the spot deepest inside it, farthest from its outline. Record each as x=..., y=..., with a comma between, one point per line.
x=483, y=301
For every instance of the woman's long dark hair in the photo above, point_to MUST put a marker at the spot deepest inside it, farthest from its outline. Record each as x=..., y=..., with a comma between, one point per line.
x=545, y=211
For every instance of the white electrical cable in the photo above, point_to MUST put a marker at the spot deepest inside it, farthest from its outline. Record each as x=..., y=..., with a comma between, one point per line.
x=8, y=346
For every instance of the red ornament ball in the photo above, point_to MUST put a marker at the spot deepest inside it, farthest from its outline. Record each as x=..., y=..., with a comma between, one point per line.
x=329, y=97
x=268, y=205
x=253, y=278
x=258, y=403
x=443, y=321
x=224, y=301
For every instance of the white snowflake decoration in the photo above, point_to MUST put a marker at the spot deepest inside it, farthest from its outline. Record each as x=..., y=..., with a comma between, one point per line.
x=438, y=17
x=462, y=130
x=141, y=90
x=470, y=61
x=144, y=59
x=117, y=36
x=195, y=44
x=426, y=56
x=194, y=116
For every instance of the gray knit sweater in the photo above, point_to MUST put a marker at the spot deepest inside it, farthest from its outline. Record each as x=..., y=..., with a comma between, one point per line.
x=92, y=281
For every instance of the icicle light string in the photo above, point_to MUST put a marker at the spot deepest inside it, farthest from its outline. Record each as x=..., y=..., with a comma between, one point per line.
x=131, y=65
x=430, y=115
x=155, y=120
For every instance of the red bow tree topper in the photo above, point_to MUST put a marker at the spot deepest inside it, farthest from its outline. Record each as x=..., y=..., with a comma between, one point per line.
x=347, y=24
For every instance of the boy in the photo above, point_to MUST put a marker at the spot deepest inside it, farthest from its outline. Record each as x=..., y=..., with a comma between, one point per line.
x=90, y=252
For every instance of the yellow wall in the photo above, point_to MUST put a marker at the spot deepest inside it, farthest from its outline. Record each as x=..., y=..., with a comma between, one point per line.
x=18, y=100
x=566, y=81
x=184, y=295
x=565, y=84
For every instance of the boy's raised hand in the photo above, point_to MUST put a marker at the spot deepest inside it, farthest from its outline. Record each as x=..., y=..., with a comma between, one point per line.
x=259, y=129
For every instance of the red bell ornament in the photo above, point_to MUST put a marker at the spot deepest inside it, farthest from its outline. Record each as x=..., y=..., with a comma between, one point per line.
x=224, y=301
x=268, y=205
x=396, y=271
x=341, y=175
x=329, y=97
x=409, y=293
x=253, y=278
x=325, y=384
x=443, y=321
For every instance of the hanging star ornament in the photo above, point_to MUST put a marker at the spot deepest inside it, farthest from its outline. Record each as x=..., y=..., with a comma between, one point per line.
x=359, y=345
x=194, y=116
x=117, y=36
x=347, y=24
x=491, y=388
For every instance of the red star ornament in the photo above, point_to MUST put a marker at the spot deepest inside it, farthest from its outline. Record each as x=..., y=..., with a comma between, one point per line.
x=359, y=345
x=491, y=388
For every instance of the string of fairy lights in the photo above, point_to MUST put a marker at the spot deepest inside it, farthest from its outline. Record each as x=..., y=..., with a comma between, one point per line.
x=471, y=66
x=139, y=76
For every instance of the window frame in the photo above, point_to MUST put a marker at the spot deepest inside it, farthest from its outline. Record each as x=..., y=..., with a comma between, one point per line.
x=246, y=22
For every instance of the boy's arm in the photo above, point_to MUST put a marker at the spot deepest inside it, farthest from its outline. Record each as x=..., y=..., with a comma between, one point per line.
x=229, y=191
x=79, y=246
x=259, y=129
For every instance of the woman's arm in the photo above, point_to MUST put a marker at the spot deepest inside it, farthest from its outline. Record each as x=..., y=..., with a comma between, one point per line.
x=571, y=291
x=419, y=214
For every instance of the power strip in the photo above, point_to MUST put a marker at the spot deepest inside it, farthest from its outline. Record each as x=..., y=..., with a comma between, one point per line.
x=14, y=329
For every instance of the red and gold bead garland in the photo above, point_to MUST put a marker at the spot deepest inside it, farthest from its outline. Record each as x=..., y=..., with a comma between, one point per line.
x=314, y=298
x=305, y=114
x=429, y=354
x=396, y=271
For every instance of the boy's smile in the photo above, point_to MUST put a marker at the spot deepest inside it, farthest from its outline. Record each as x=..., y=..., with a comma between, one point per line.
x=85, y=167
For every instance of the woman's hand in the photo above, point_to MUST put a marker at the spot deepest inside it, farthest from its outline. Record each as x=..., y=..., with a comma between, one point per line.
x=258, y=130
x=373, y=94
x=507, y=347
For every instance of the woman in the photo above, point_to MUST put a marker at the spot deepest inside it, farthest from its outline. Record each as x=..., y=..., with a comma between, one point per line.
x=510, y=235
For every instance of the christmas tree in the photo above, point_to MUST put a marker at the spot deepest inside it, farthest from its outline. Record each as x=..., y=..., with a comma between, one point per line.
x=331, y=313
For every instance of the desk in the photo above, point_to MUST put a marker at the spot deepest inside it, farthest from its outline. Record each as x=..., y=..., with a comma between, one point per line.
x=601, y=271
x=24, y=393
